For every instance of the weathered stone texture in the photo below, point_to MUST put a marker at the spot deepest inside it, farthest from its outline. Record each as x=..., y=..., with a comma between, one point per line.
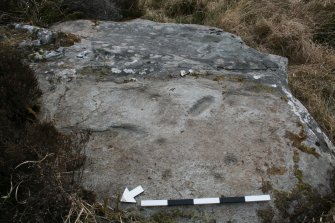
x=228, y=127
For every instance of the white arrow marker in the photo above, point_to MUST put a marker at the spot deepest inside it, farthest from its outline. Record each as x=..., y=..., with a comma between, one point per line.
x=129, y=196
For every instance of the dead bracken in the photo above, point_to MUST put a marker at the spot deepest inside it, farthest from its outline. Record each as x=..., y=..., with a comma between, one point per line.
x=38, y=164
x=297, y=141
x=276, y=170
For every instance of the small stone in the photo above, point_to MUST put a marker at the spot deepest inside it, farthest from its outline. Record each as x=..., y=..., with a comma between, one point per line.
x=36, y=43
x=24, y=44
x=37, y=56
x=183, y=73
x=83, y=54
x=116, y=70
x=45, y=36
x=129, y=71
x=29, y=28
x=67, y=74
x=55, y=54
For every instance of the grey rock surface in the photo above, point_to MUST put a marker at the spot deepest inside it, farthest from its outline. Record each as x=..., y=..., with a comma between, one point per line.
x=228, y=127
x=43, y=35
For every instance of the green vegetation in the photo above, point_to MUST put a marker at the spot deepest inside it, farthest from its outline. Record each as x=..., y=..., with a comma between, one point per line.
x=296, y=157
x=262, y=88
x=237, y=78
x=310, y=150
x=266, y=214
x=301, y=204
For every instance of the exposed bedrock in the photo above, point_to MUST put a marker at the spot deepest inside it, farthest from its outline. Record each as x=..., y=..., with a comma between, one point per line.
x=187, y=111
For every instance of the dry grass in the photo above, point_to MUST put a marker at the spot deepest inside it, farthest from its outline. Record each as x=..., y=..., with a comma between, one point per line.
x=40, y=12
x=39, y=166
x=303, y=31
x=46, y=12
x=314, y=85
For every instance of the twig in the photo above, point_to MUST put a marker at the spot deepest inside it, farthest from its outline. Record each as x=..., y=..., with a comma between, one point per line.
x=11, y=189
x=79, y=215
x=16, y=191
x=50, y=154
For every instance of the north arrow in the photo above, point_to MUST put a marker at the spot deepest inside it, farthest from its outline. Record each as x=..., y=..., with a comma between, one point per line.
x=129, y=196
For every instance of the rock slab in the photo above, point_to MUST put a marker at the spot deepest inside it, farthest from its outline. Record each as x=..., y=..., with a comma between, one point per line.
x=186, y=111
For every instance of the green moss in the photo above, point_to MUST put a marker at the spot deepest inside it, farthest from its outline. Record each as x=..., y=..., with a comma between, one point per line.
x=302, y=186
x=196, y=75
x=219, y=78
x=96, y=70
x=296, y=157
x=262, y=88
x=298, y=174
x=237, y=78
x=301, y=204
x=310, y=150
x=266, y=214
x=284, y=98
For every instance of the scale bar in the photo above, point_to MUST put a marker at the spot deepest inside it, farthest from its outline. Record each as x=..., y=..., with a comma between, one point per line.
x=202, y=201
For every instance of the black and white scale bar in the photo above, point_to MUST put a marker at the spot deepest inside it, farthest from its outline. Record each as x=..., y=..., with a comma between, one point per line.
x=200, y=201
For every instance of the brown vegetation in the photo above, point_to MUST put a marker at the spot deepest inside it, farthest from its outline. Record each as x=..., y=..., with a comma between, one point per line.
x=45, y=12
x=38, y=177
x=41, y=168
x=303, y=31
x=38, y=164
